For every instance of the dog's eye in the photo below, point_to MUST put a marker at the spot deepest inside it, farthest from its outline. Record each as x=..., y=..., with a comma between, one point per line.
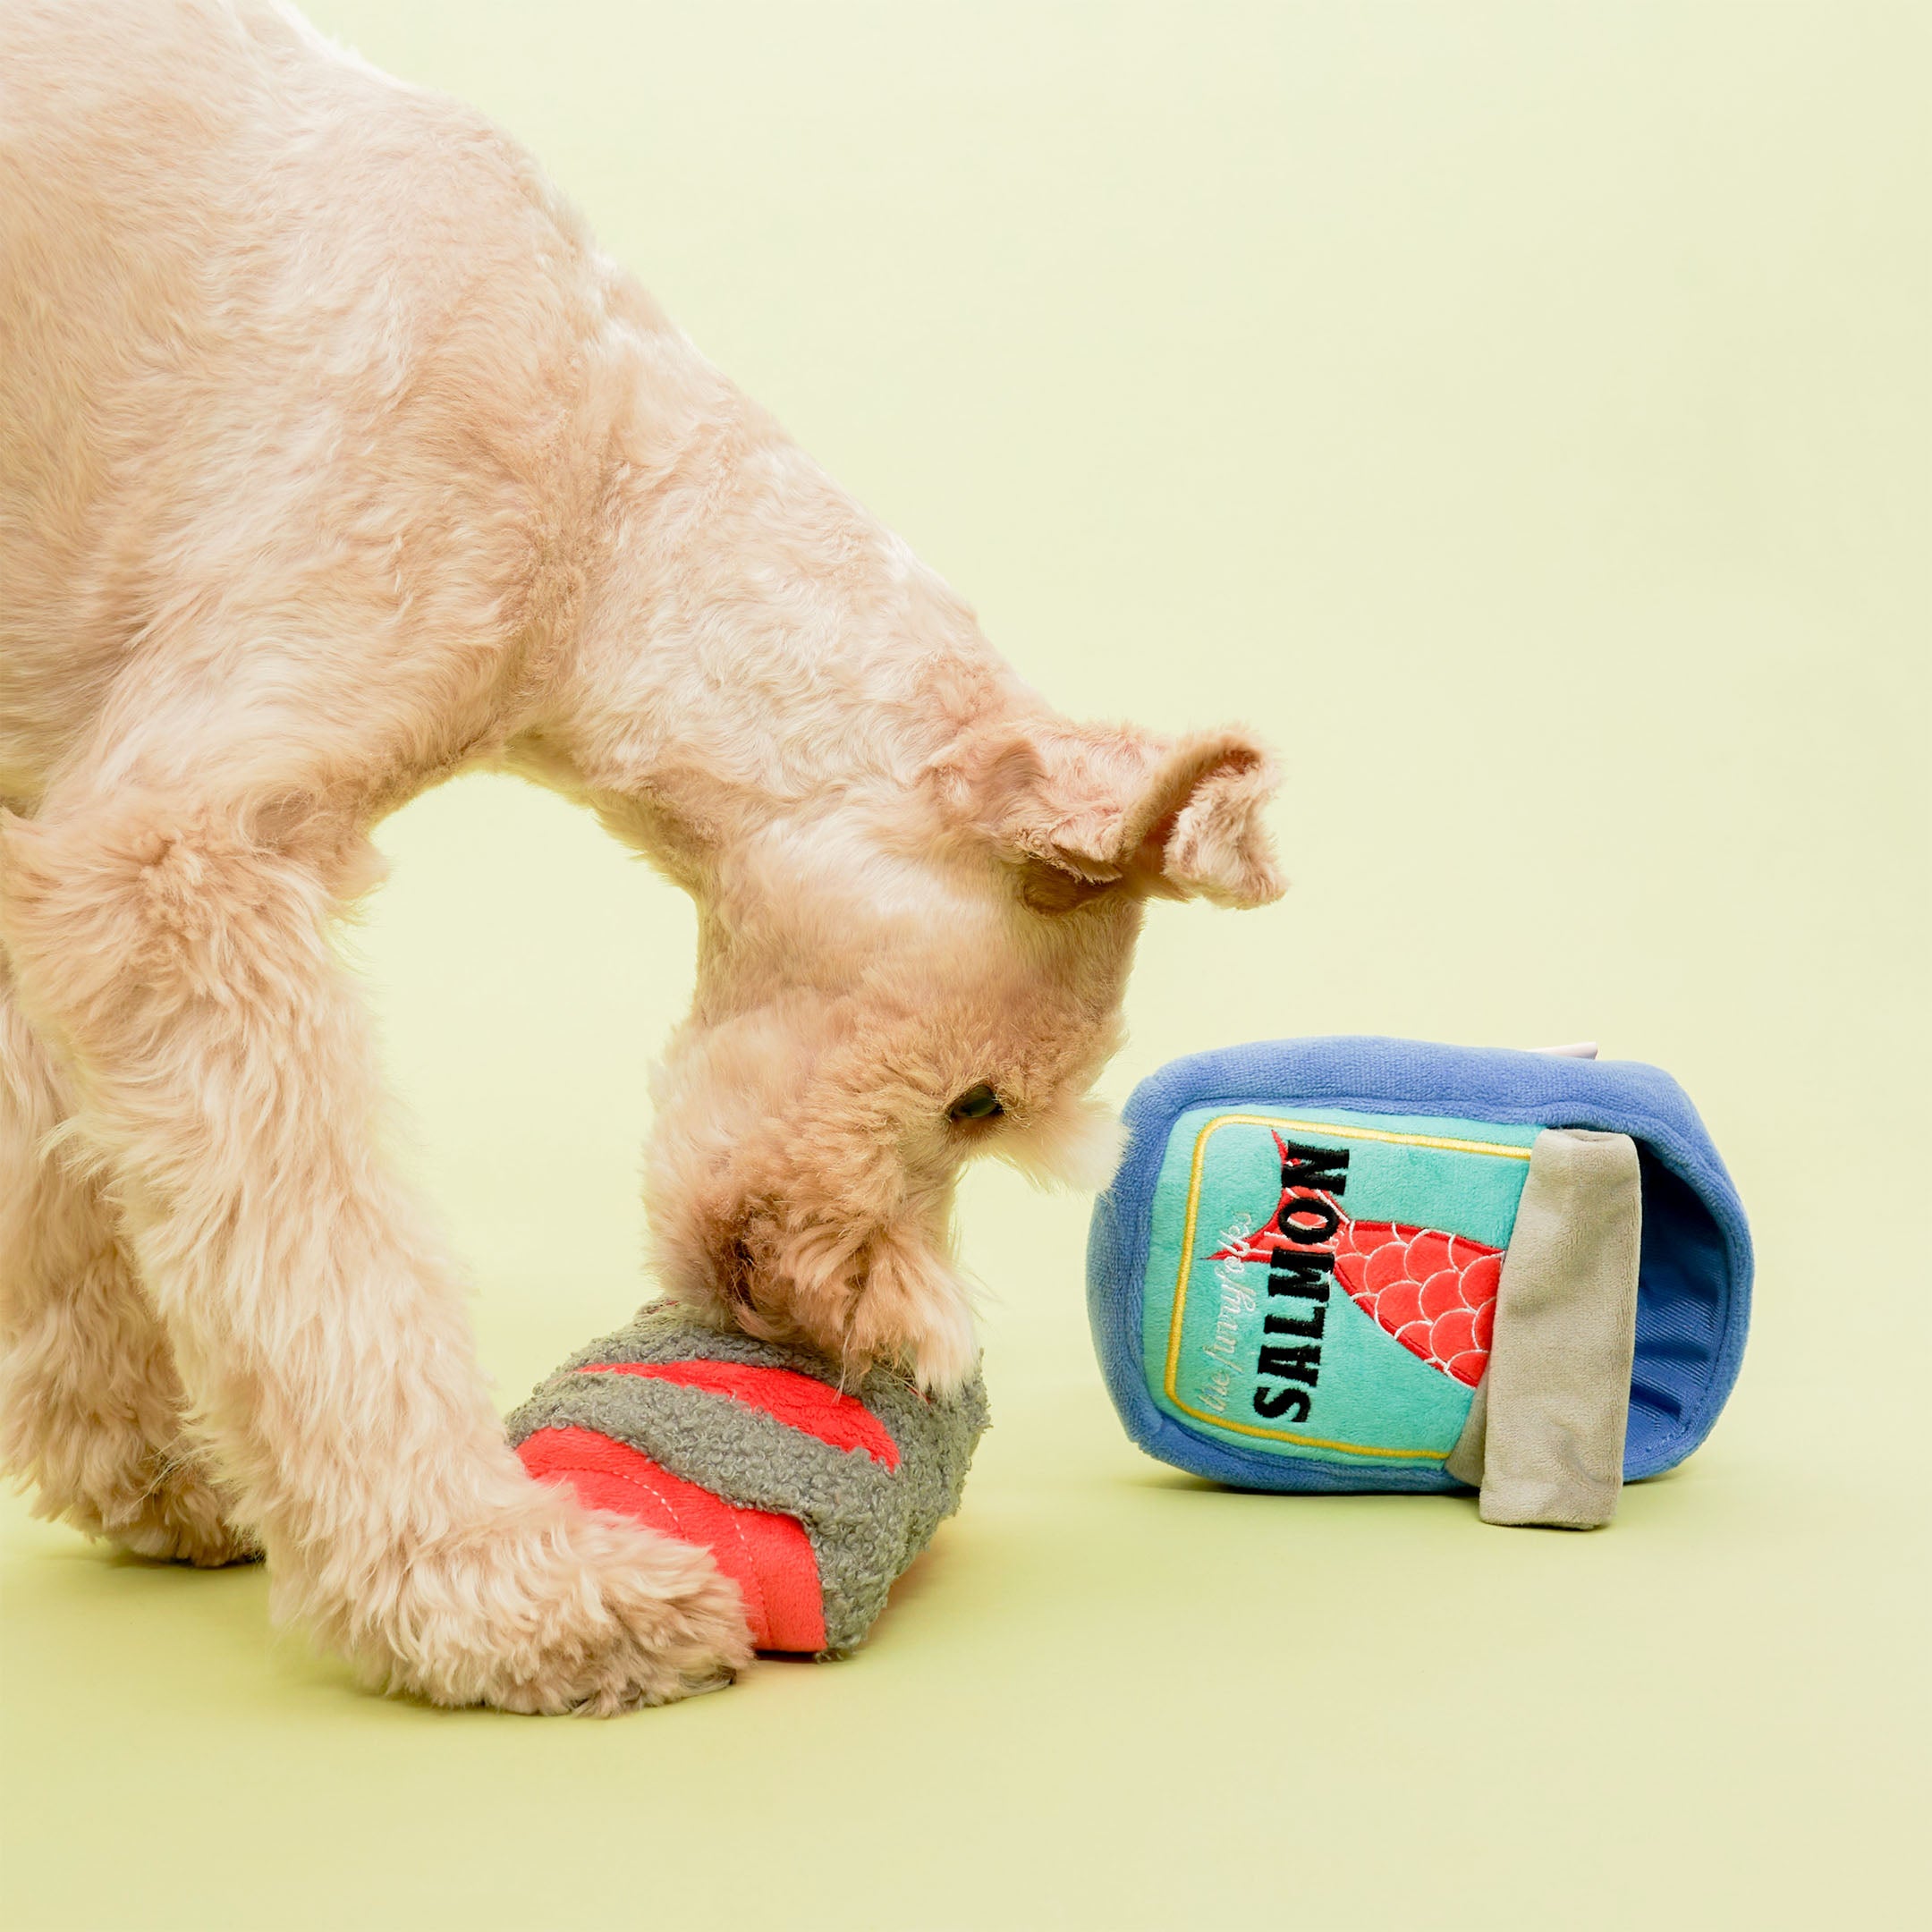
x=976, y=1102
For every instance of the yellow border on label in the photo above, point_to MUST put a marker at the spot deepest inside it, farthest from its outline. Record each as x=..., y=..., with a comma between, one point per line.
x=1501, y=1149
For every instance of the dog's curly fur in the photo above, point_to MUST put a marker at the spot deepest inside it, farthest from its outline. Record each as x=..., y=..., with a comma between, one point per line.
x=334, y=460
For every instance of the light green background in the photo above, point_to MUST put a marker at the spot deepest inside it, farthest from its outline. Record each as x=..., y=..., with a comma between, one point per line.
x=1521, y=413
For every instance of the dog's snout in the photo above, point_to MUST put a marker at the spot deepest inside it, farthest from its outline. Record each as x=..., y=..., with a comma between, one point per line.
x=864, y=1295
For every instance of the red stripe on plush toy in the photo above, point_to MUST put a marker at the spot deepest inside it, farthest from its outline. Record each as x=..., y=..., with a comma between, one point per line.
x=769, y=1557
x=801, y=1402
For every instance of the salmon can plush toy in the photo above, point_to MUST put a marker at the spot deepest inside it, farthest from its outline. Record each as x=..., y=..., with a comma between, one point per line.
x=1354, y=1263
x=813, y=1497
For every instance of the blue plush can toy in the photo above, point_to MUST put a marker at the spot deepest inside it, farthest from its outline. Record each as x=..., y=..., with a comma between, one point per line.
x=1358, y=1263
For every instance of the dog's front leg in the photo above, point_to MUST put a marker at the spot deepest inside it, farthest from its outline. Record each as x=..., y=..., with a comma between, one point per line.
x=180, y=954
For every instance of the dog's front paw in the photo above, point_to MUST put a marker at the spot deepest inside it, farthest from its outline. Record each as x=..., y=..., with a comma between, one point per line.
x=162, y=1506
x=556, y=1611
x=186, y=1521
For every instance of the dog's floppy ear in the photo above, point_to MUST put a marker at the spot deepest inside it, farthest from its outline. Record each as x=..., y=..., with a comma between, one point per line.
x=1083, y=809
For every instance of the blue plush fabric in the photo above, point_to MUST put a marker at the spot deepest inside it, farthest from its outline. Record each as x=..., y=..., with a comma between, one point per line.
x=1693, y=1294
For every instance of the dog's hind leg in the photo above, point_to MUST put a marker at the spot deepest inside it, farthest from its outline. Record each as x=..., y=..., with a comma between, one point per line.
x=90, y=1403
x=177, y=946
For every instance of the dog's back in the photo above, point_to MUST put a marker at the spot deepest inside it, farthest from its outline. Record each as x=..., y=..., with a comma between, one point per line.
x=247, y=284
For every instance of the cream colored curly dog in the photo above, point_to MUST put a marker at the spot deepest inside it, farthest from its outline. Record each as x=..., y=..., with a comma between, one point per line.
x=335, y=459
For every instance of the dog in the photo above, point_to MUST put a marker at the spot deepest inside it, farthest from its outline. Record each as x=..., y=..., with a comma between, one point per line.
x=335, y=459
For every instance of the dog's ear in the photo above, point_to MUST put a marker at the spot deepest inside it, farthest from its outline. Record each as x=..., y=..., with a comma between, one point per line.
x=1086, y=809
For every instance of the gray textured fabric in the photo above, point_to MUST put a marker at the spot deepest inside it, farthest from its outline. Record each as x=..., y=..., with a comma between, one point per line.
x=865, y=1522
x=1544, y=1440
x=1465, y=1461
